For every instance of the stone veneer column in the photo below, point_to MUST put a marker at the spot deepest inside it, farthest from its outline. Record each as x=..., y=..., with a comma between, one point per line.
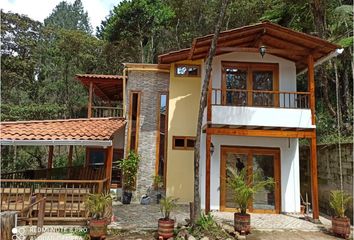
x=150, y=84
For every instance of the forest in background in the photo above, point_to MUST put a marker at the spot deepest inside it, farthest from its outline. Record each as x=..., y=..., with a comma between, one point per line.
x=39, y=60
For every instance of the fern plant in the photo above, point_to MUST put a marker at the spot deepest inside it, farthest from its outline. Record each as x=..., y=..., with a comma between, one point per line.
x=96, y=204
x=166, y=206
x=339, y=201
x=244, y=186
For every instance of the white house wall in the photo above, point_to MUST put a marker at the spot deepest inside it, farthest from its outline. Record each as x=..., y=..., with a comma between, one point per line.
x=290, y=176
x=258, y=116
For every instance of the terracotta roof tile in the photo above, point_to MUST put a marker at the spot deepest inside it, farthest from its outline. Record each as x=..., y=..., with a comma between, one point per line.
x=71, y=129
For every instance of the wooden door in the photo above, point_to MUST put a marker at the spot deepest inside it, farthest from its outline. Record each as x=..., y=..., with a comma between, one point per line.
x=265, y=160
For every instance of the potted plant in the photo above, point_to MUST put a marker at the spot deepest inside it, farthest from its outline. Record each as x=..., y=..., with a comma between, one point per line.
x=129, y=167
x=339, y=201
x=165, y=224
x=158, y=183
x=244, y=187
x=96, y=205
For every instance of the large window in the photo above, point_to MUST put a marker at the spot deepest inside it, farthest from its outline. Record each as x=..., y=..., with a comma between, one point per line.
x=161, y=143
x=250, y=84
x=134, y=114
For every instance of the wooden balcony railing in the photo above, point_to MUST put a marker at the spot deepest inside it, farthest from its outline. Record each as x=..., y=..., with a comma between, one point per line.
x=64, y=198
x=258, y=98
x=100, y=111
x=71, y=173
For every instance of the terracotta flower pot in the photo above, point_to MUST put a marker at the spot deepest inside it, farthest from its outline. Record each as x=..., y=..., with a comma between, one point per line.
x=242, y=223
x=165, y=228
x=341, y=226
x=98, y=227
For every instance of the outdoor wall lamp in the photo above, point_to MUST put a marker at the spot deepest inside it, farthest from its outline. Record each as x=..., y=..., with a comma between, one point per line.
x=212, y=148
x=262, y=50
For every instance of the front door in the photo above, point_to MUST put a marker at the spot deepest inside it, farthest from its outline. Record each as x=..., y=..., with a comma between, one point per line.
x=265, y=160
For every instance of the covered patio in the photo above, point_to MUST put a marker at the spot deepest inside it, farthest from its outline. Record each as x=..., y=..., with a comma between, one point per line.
x=65, y=187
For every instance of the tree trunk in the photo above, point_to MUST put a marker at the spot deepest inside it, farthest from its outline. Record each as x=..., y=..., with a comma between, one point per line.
x=202, y=105
x=326, y=94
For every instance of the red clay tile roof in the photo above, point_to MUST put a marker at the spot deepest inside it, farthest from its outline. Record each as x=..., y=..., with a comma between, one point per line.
x=100, y=129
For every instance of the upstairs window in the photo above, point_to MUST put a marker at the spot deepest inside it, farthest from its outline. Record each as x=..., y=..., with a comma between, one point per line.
x=185, y=70
x=183, y=143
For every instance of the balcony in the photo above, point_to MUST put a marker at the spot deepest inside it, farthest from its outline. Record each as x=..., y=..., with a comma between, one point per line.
x=105, y=95
x=255, y=108
x=107, y=111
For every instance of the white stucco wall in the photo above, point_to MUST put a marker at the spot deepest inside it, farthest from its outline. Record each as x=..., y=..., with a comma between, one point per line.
x=118, y=139
x=258, y=116
x=289, y=158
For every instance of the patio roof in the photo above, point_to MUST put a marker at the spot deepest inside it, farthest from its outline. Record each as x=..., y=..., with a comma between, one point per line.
x=85, y=132
x=106, y=87
x=279, y=41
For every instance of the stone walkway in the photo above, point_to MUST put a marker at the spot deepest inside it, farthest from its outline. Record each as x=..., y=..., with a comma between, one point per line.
x=271, y=222
x=144, y=217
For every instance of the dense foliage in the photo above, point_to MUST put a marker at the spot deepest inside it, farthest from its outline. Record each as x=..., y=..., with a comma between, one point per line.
x=39, y=60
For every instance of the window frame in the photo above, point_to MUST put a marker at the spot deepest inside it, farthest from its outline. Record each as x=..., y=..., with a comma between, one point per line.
x=187, y=73
x=251, y=67
x=185, y=138
x=128, y=147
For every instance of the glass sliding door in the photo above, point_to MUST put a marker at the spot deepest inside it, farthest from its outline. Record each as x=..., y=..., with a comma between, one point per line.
x=264, y=161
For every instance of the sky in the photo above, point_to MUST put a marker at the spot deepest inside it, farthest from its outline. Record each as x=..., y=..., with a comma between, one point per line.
x=41, y=9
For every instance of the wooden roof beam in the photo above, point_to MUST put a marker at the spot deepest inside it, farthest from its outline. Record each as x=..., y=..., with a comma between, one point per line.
x=100, y=92
x=268, y=50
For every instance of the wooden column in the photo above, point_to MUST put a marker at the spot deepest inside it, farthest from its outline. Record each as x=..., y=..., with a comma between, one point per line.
x=314, y=181
x=89, y=106
x=70, y=156
x=109, y=160
x=209, y=100
x=50, y=157
x=311, y=86
x=207, y=173
x=124, y=93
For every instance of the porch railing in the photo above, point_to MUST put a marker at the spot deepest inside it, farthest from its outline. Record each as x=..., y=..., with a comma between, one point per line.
x=100, y=111
x=260, y=98
x=72, y=173
x=64, y=198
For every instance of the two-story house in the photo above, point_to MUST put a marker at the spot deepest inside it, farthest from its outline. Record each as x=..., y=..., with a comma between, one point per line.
x=254, y=118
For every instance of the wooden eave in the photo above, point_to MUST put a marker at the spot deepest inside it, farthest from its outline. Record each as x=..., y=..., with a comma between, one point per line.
x=147, y=67
x=285, y=43
x=106, y=87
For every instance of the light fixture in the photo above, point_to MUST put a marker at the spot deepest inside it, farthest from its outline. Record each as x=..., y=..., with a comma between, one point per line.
x=262, y=50
x=212, y=148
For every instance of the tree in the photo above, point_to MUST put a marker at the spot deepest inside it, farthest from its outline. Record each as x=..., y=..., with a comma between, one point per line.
x=19, y=37
x=69, y=16
x=203, y=103
x=141, y=23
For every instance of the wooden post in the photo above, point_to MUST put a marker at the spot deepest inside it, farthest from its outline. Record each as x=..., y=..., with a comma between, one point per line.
x=311, y=86
x=70, y=161
x=209, y=100
x=124, y=100
x=109, y=161
x=41, y=210
x=50, y=157
x=70, y=156
x=89, y=106
x=207, y=173
x=314, y=182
